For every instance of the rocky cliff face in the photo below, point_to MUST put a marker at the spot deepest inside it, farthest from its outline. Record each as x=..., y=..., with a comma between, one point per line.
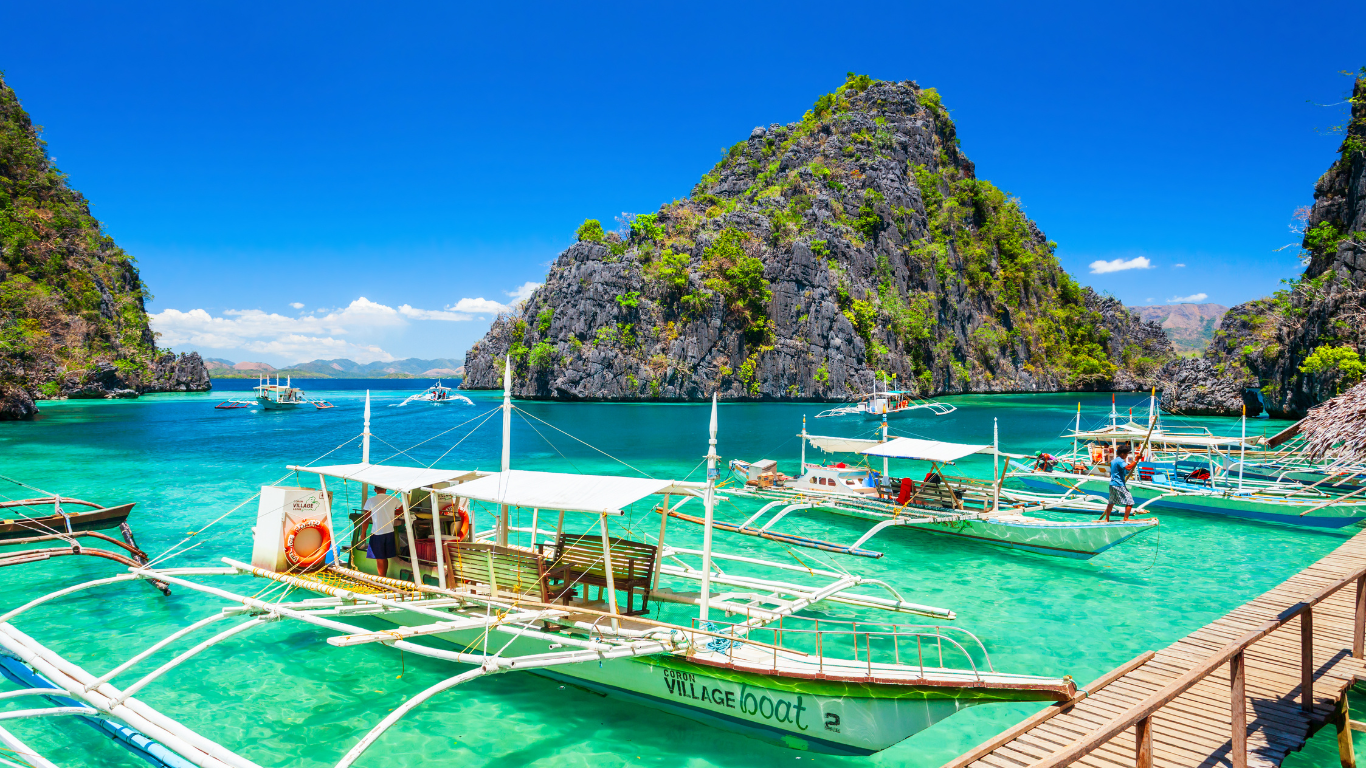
x=816, y=255
x=72, y=315
x=1304, y=344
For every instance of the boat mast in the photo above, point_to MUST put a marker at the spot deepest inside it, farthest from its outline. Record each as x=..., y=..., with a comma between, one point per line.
x=802, y=469
x=710, y=500
x=884, y=439
x=365, y=433
x=1242, y=449
x=995, y=465
x=507, y=446
x=1077, y=432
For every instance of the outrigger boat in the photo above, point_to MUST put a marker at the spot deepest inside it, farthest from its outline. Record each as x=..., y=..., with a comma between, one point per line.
x=960, y=507
x=437, y=394
x=230, y=405
x=1185, y=481
x=890, y=404
x=779, y=670
x=284, y=397
x=15, y=524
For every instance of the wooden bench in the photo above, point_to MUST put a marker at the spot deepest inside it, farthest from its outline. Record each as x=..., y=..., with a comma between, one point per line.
x=633, y=563
x=508, y=573
x=935, y=492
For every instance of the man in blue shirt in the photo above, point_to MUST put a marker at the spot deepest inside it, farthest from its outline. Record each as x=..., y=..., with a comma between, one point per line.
x=1120, y=468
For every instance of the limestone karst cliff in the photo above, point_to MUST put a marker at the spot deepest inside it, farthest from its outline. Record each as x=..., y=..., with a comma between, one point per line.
x=1304, y=344
x=815, y=254
x=72, y=316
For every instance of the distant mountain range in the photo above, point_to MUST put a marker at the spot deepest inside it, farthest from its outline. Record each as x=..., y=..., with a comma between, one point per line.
x=1189, y=326
x=412, y=367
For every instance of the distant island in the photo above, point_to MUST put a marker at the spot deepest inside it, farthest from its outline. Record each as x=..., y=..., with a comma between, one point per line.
x=410, y=368
x=1190, y=326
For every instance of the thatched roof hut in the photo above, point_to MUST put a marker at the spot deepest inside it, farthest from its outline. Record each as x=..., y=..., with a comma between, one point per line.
x=1338, y=426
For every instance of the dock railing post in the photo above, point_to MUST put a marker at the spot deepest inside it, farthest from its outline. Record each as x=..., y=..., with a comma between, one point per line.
x=1307, y=659
x=1237, y=672
x=1143, y=742
x=1359, y=624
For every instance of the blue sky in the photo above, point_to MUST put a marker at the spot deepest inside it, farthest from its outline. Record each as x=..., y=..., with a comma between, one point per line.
x=254, y=157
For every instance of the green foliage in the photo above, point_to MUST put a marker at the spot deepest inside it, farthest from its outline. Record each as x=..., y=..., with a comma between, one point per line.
x=823, y=105
x=863, y=315
x=858, y=83
x=541, y=356
x=749, y=374
x=518, y=331
x=695, y=303
x=820, y=248
x=869, y=222
x=590, y=231
x=1322, y=238
x=738, y=277
x=672, y=270
x=629, y=301
x=1341, y=364
x=822, y=374
x=930, y=99
x=544, y=319
x=646, y=226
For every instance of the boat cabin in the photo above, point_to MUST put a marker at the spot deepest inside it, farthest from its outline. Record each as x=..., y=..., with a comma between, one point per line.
x=837, y=479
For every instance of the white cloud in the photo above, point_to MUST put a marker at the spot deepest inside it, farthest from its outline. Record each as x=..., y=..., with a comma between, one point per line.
x=479, y=306
x=1178, y=266
x=1194, y=298
x=1120, y=265
x=297, y=304
x=433, y=314
x=522, y=292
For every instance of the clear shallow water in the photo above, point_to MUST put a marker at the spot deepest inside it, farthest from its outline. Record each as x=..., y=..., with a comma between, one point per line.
x=281, y=696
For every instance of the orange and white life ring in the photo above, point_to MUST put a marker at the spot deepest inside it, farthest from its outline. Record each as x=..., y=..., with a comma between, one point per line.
x=307, y=543
x=462, y=526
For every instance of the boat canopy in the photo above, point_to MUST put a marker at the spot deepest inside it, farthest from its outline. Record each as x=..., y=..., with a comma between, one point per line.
x=598, y=494
x=924, y=450
x=393, y=478
x=841, y=444
x=1162, y=438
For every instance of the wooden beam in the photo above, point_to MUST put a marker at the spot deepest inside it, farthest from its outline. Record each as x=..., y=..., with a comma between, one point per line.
x=1359, y=625
x=1238, y=709
x=1049, y=712
x=1143, y=742
x=1307, y=660
x=1342, y=718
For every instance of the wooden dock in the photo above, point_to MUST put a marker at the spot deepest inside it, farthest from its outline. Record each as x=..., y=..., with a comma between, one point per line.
x=1176, y=706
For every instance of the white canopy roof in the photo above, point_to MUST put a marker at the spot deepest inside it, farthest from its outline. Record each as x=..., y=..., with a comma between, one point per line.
x=605, y=494
x=841, y=444
x=401, y=479
x=924, y=450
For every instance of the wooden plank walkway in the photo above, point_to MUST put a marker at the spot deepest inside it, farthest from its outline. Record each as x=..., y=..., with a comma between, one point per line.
x=1193, y=726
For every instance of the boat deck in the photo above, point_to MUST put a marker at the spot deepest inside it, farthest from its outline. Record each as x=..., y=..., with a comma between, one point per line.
x=1175, y=707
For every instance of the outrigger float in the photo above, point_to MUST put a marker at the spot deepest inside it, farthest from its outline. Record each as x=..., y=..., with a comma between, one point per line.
x=961, y=507
x=506, y=601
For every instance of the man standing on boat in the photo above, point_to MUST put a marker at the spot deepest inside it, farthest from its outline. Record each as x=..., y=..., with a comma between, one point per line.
x=1120, y=468
x=382, y=544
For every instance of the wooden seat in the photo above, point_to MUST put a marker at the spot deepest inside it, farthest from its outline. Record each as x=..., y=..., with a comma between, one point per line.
x=933, y=492
x=508, y=573
x=579, y=560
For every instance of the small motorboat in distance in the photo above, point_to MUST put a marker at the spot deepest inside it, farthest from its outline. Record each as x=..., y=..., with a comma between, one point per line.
x=437, y=393
x=18, y=524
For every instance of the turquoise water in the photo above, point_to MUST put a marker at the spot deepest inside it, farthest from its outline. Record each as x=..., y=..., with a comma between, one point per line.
x=281, y=696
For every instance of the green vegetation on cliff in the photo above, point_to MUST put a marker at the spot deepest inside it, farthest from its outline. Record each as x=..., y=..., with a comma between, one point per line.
x=71, y=301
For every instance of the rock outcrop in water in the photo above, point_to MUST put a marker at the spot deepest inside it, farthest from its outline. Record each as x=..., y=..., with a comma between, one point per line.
x=72, y=316
x=1304, y=344
x=813, y=257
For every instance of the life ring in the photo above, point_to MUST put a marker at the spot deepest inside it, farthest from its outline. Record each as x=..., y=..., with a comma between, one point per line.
x=462, y=527
x=324, y=543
